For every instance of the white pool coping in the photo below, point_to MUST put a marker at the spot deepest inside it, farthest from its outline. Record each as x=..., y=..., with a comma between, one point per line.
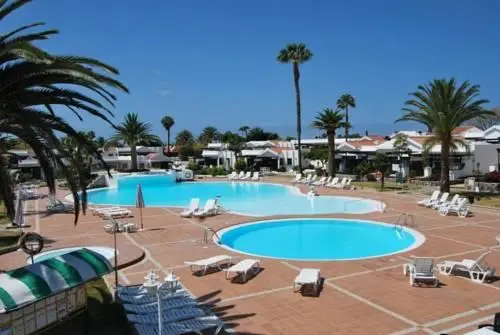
x=378, y=206
x=419, y=239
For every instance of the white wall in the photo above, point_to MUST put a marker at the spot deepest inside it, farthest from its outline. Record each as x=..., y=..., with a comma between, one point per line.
x=486, y=155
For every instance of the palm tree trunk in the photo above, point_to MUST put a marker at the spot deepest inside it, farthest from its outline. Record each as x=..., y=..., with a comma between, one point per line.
x=382, y=180
x=168, y=141
x=346, y=128
x=331, y=155
x=445, y=166
x=133, y=157
x=296, y=77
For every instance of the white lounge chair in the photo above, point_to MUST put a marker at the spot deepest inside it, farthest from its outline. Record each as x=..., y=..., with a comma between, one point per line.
x=241, y=175
x=243, y=268
x=306, y=179
x=100, y=210
x=209, y=209
x=498, y=239
x=341, y=184
x=320, y=182
x=248, y=175
x=128, y=227
x=307, y=277
x=256, y=176
x=297, y=178
x=204, y=265
x=433, y=198
x=59, y=206
x=440, y=201
x=171, y=315
x=194, y=205
x=196, y=325
x=334, y=182
x=477, y=269
x=232, y=175
x=119, y=213
x=347, y=185
x=451, y=202
x=421, y=270
x=461, y=208
x=327, y=181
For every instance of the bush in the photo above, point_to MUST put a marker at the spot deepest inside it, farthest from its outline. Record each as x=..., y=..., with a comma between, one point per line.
x=240, y=165
x=214, y=171
x=492, y=177
x=282, y=169
x=370, y=177
x=24, y=177
x=320, y=172
x=193, y=167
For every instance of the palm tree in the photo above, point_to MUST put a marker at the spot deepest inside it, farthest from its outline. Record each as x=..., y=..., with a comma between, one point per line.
x=343, y=103
x=208, y=134
x=33, y=83
x=134, y=132
x=167, y=123
x=443, y=105
x=381, y=164
x=401, y=146
x=244, y=130
x=296, y=54
x=329, y=121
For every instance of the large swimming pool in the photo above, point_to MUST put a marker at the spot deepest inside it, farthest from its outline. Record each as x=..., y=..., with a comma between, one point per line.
x=249, y=198
x=318, y=239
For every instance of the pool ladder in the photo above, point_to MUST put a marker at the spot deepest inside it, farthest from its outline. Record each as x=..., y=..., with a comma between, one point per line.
x=404, y=220
x=207, y=236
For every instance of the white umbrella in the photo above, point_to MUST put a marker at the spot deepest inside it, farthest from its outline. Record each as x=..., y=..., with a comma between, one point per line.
x=139, y=201
x=19, y=217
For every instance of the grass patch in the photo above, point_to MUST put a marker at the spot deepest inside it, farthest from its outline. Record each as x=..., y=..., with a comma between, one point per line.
x=491, y=201
x=388, y=186
x=104, y=315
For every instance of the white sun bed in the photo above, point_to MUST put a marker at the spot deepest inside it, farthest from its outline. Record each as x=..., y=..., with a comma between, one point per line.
x=194, y=205
x=477, y=269
x=334, y=182
x=204, y=265
x=246, y=176
x=243, y=268
x=297, y=178
x=451, y=202
x=461, y=208
x=306, y=179
x=341, y=184
x=421, y=270
x=122, y=227
x=239, y=176
x=232, y=175
x=100, y=210
x=209, y=209
x=307, y=277
x=319, y=182
x=440, y=201
x=433, y=198
x=256, y=176
x=119, y=213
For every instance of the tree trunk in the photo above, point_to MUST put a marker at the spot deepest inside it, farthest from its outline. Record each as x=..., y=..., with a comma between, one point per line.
x=382, y=180
x=445, y=165
x=346, y=128
x=133, y=157
x=296, y=77
x=168, y=141
x=331, y=154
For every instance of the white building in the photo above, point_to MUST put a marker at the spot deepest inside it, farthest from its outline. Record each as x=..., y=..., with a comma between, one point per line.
x=218, y=154
x=275, y=155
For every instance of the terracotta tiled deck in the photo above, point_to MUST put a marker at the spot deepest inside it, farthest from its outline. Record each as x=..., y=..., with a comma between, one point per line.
x=358, y=297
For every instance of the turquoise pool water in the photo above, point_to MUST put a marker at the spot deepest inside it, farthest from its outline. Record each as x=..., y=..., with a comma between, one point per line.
x=250, y=198
x=105, y=251
x=318, y=239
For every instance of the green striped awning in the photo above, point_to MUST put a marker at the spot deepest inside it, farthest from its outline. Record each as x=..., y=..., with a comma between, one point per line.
x=40, y=280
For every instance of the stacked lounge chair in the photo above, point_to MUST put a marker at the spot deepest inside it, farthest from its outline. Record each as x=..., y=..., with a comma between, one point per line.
x=478, y=270
x=194, y=206
x=297, y=178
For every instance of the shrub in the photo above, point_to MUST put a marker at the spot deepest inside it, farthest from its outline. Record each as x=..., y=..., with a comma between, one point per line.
x=492, y=177
x=282, y=169
x=24, y=177
x=320, y=172
x=240, y=165
x=370, y=177
x=193, y=167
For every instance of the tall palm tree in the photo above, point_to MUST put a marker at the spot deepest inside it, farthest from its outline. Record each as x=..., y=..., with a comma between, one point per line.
x=33, y=82
x=443, y=105
x=208, y=134
x=343, y=103
x=329, y=121
x=244, y=130
x=296, y=54
x=134, y=132
x=167, y=123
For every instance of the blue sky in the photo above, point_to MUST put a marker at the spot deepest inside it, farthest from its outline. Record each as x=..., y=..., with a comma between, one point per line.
x=214, y=62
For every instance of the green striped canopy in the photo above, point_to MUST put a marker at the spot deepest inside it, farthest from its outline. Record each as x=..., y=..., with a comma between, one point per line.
x=37, y=281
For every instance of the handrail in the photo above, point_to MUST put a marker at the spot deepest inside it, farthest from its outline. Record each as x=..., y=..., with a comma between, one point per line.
x=206, y=238
x=410, y=216
x=404, y=220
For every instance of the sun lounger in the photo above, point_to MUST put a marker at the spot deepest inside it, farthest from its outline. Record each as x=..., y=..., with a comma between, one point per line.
x=347, y=185
x=152, y=307
x=194, y=205
x=341, y=184
x=461, y=208
x=204, y=265
x=100, y=210
x=327, y=181
x=421, y=270
x=495, y=327
x=440, y=201
x=239, y=176
x=498, y=239
x=306, y=179
x=246, y=176
x=307, y=277
x=333, y=182
x=243, y=268
x=119, y=213
x=171, y=315
x=60, y=207
x=196, y=325
x=209, y=209
x=256, y=176
x=128, y=227
x=320, y=182
x=313, y=179
x=428, y=202
x=451, y=202
x=297, y=178
x=477, y=269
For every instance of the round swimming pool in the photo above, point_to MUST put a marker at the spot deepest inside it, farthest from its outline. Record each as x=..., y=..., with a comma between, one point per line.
x=249, y=198
x=319, y=239
x=108, y=253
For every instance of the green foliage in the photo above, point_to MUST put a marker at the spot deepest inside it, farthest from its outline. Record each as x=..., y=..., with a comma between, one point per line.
x=258, y=134
x=240, y=165
x=213, y=171
x=208, y=135
x=184, y=138
x=345, y=102
x=192, y=166
x=443, y=105
x=320, y=154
